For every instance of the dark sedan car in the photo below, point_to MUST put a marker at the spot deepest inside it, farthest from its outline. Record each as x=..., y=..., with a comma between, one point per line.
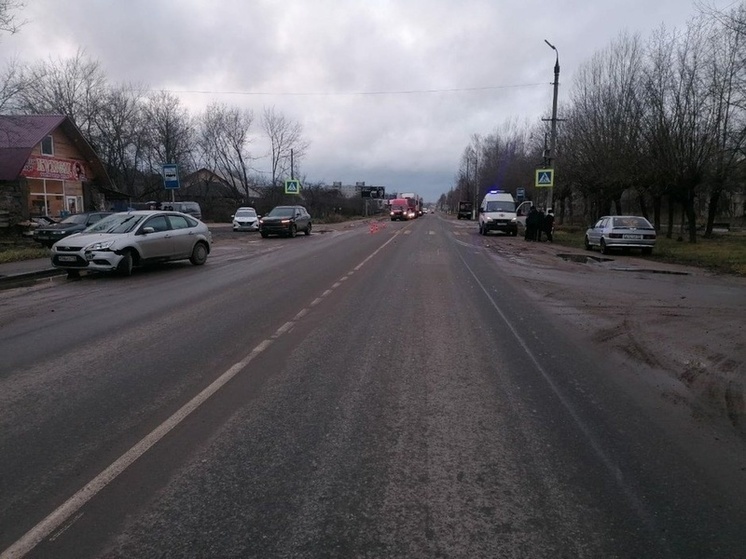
x=286, y=221
x=74, y=223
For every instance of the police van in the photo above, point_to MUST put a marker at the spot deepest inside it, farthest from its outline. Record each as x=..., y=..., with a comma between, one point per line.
x=497, y=212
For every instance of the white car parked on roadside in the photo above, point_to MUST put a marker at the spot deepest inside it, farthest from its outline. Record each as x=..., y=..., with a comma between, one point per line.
x=125, y=240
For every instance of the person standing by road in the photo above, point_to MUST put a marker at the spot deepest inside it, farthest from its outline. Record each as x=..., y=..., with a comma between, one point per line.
x=531, y=224
x=549, y=224
x=539, y=224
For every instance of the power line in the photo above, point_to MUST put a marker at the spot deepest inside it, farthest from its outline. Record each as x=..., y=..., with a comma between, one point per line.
x=352, y=93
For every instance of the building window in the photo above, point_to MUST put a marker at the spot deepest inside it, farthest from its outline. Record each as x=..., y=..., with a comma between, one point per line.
x=47, y=147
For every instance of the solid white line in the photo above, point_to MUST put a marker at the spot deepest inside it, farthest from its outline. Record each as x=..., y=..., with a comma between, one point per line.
x=595, y=444
x=34, y=536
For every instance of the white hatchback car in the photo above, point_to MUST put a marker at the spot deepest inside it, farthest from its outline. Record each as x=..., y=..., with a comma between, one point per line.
x=124, y=240
x=245, y=219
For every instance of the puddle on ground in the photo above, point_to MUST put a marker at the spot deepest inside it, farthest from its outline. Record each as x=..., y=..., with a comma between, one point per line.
x=592, y=259
x=584, y=258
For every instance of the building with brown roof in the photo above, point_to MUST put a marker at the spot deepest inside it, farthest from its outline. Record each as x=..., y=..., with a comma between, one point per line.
x=48, y=168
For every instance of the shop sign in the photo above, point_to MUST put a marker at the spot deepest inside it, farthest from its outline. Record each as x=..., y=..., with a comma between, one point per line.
x=54, y=168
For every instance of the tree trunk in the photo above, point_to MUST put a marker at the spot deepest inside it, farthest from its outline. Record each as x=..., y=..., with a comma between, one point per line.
x=657, y=212
x=712, y=211
x=618, y=205
x=643, y=204
x=669, y=232
x=691, y=216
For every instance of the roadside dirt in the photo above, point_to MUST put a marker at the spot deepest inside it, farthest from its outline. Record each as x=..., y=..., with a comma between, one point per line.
x=682, y=327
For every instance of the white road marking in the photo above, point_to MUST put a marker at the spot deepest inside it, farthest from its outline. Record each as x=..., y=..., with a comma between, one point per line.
x=69, y=509
x=282, y=329
x=34, y=536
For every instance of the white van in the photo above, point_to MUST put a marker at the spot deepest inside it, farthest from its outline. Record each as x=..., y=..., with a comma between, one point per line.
x=498, y=213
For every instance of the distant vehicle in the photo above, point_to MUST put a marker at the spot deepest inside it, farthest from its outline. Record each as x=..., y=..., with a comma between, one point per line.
x=245, y=219
x=399, y=210
x=75, y=223
x=189, y=208
x=465, y=210
x=414, y=202
x=285, y=221
x=125, y=240
x=34, y=223
x=621, y=232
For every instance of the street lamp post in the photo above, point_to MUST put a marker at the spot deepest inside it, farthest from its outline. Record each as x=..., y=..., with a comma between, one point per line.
x=553, y=135
x=476, y=184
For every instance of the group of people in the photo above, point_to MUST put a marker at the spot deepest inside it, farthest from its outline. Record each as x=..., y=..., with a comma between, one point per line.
x=538, y=223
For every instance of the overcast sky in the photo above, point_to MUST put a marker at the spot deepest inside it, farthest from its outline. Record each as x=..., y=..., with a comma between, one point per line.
x=388, y=92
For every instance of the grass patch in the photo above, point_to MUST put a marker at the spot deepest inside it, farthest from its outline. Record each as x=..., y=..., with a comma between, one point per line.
x=723, y=252
x=16, y=254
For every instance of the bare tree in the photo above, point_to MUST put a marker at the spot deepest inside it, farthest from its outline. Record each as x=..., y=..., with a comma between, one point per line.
x=601, y=142
x=73, y=87
x=679, y=118
x=286, y=138
x=120, y=136
x=224, y=142
x=12, y=84
x=170, y=136
x=9, y=22
x=726, y=74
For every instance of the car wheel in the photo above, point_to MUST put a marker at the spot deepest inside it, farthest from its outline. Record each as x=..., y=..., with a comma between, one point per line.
x=604, y=248
x=308, y=229
x=264, y=234
x=126, y=264
x=292, y=231
x=588, y=243
x=199, y=254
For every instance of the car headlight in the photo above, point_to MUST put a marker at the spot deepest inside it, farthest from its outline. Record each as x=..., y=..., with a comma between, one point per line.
x=514, y=220
x=103, y=245
x=58, y=232
x=489, y=219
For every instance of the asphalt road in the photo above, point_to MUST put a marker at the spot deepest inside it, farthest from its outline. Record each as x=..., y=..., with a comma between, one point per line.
x=364, y=393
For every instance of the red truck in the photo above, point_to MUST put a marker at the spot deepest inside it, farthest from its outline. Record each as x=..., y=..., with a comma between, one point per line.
x=400, y=210
x=415, y=203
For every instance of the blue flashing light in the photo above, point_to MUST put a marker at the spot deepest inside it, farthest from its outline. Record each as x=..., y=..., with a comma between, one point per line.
x=496, y=192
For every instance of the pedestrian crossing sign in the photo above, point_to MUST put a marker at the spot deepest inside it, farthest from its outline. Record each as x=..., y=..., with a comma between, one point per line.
x=292, y=186
x=544, y=178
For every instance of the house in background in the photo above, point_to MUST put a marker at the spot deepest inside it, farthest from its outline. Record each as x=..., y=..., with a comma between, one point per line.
x=217, y=196
x=48, y=168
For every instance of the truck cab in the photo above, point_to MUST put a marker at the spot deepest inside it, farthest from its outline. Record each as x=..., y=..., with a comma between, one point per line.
x=464, y=210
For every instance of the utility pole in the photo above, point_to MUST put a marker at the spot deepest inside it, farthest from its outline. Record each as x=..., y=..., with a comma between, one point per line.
x=553, y=135
x=468, y=184
x=475, y=208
